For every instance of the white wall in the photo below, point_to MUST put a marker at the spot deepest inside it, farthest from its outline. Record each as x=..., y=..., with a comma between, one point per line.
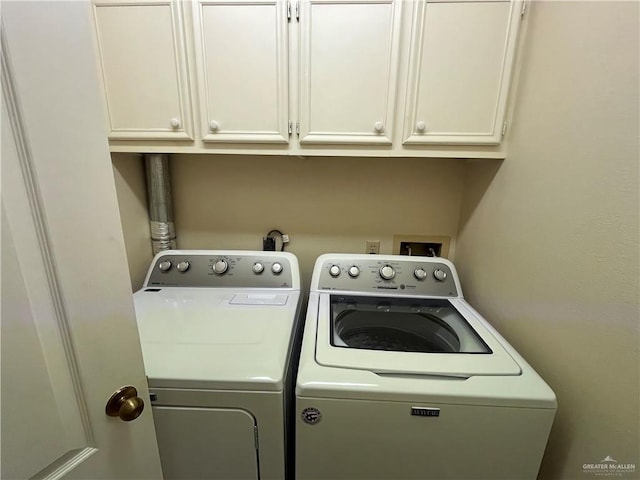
x=548, y=243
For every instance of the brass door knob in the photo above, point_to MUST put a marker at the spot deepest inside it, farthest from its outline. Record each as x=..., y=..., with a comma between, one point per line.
x=125, y=403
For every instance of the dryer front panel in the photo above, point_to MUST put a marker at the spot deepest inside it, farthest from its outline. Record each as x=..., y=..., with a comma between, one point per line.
x=214, y=443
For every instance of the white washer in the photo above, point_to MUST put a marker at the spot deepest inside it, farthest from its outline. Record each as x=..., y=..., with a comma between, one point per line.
x=218, y=331
x=400, y=378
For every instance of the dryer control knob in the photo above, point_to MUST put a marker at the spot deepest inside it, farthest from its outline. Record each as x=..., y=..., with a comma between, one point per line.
x=387, y=272
x=183, y=266
x=334, y=271
x=258, y=267
x=420, y=274
x=220, y=266
x=164, y=265
x=439, y=275
x=276, y=268
x=354, y=271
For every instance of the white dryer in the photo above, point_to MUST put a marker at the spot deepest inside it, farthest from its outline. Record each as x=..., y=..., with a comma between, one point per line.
x=218, y=331
x=400, y=378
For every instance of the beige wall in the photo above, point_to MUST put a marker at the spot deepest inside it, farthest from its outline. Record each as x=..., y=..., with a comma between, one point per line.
x=548, y=243
x=323, y=204
x=128, y=173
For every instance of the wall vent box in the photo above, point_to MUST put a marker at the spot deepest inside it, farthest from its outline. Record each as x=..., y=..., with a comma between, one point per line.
x=421, y=245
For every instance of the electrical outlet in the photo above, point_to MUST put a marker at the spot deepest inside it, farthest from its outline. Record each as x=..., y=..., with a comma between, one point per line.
x=372, y=246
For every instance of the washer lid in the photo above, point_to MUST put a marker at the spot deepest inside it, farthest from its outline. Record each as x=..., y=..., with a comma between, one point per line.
x=216, y=338
x=415, y=336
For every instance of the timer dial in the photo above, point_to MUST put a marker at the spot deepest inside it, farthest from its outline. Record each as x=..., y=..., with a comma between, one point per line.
x=220, y=266
x=387, y=272
x=334, y=271
x=354, y=271
x=276, y=268
x=257, y=267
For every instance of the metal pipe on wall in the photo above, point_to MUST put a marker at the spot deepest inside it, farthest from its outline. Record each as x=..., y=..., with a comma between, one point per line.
x=163, y=233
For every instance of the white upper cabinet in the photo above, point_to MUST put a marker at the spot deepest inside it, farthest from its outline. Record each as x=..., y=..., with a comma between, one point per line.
x=241, y=50
x=309, y=77
x=460, y=63
x=347, y=71
x=142, y=61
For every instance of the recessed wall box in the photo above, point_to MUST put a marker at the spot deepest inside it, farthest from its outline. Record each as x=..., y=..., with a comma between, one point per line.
x=421, y=245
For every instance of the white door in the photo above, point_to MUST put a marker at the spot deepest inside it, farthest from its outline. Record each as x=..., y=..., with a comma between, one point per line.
x=69, y=338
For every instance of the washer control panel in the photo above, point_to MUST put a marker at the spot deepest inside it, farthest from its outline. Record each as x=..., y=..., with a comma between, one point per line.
x=404, y=275
x=218, y=268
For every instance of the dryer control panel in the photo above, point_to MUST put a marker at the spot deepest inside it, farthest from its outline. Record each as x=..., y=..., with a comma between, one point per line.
x=388, y=274
x=223, y=269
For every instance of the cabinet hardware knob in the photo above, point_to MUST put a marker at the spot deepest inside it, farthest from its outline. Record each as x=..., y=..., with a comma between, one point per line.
x=174, y=122
x=378, y=127
x=213, y=125
x=421, y=126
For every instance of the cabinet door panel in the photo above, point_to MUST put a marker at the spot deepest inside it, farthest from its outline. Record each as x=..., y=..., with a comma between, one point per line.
x=348, y=66
x=141, y=52
x=242, y=59
x=460, y=64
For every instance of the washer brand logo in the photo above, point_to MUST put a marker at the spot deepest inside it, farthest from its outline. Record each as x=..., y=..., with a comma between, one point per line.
x=609, y=467
x=311, y=415
x=425, y=412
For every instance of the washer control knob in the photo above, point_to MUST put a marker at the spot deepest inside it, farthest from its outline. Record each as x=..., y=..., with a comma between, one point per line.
x=276, y=268
x=439, y=275
x=334, y=271
x=220, y=266
x=354, y=271
x=420, y=274
x=164, y=265
x=257, y=267
x=387, y=272
x=183, y=266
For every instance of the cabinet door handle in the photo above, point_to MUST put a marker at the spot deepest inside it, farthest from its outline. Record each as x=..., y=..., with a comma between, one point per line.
x=213, y=125
x=174, y=122
x=378, y=127
x=421, y=126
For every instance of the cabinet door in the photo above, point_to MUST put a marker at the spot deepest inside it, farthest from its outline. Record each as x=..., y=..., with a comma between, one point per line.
x=459, y=70
x=241, y=54
x=142, y=61
x=348, y=68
